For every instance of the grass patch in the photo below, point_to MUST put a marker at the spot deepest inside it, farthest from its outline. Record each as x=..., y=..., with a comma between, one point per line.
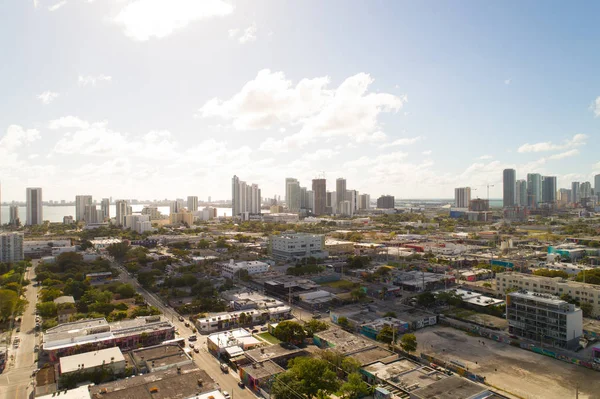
x=461, y=313
x=342, y=284
x=269, y=338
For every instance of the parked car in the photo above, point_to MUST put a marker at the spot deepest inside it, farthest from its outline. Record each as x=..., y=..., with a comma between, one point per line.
x=264, y=328
x=254, y=331
x=317, y=316
x=224, y=368
x=187, y=324
x=191, y=345
x=192, y=338
x=226, y=395
x=241, y=385
x=181, y=318
x=197, y=350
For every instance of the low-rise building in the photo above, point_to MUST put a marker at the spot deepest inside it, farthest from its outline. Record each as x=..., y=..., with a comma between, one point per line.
x=228, y=320
x=296, y=246
x=229, y=269
x=159, y=357
x=109, y=358
x=582, y=292
x=544, y=318
x=95, y=334
x=339, y=247
x=258, y=376
x=342, y=341
x=372, y=329
x=11, y=247
x=231, y=343
x=100, y=243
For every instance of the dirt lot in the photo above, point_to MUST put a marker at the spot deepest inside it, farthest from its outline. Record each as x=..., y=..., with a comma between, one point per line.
x=520, y=372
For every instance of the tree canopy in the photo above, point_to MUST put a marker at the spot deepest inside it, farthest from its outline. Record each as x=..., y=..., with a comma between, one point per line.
x=306, y=376
x=290, y=331
x=409, y=342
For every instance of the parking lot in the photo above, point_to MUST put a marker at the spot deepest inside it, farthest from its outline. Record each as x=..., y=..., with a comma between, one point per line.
x=517, y=371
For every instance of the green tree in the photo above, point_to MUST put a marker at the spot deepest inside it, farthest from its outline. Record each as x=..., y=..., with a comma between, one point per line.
x=118, y=250
x=50, y=294
x=8, y=303
x=47, y=309
x=338, y=361
x=387, y=335
x=290, y=331
x=306, y=376
x=313, y=326
x=343, y=322
x=355, y=387
x=390, y=314
x=587, y=308
x=551, y=273
x=426, y=299
x=358, y=294
x=126, y=291
x=408, y=342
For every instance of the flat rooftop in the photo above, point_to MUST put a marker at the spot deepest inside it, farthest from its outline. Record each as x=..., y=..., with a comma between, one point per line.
x=388, y=371
x=81, y=392
x=453, y=387
x=161, y=355
x=343, y=341
x=375, y=354
x=263, y=369
x=272, y=352
x=168, y=384
x=69, y=364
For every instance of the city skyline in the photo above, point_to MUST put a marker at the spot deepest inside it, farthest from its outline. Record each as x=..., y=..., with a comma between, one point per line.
x=432, y=110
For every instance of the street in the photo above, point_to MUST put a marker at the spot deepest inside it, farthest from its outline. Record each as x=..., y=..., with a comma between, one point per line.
x=16, y=380
x=206, y=361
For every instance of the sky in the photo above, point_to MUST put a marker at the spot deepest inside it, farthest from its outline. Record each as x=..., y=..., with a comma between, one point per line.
x=154, y=99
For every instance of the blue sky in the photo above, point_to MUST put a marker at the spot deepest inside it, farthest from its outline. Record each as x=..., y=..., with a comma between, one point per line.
x=162, y=99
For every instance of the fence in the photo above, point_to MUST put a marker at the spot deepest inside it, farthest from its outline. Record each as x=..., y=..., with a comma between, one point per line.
x=473, y=329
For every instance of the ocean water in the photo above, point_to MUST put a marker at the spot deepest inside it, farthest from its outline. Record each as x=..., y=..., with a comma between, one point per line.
x=55, y=214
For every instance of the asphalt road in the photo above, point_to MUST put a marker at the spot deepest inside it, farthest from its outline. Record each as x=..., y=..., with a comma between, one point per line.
x=16, y=380
x=204, y=360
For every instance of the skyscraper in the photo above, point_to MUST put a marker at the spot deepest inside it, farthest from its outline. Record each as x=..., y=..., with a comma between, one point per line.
x=175, y=207
x=90, y=214
x=364, y=201
x=521, y=192
x=340, y=191
x=575, y=192
x=597, y=185
x=534, y=189
x=585, y=191
x=105, y=208
x=122, y=211
x=35, y=214
x=14, y=215
x=81, y=201
x=245, y=199
x=192, y=203
x=319, y=188
x=11, y=247
x=462, y=197
x=293, y=194
x=549, y=189
x=509, y=180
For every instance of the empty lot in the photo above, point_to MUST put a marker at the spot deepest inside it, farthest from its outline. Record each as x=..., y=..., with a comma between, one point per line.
x=520, y=372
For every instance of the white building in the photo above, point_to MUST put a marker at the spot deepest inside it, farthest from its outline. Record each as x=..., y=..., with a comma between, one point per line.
x=123, y=209
x=139, y=223
x=192, y=203
x=228, y=270
x=105, y=208
x=153, y=212
x=544, y=317
x=13, y=218
x=462, y=197
x=111, y=358
x=292, y=246
x=346, y=208
x=35, y=214
x=81, y=202
x=11, y=247
x=364, y=201
x=246, y=198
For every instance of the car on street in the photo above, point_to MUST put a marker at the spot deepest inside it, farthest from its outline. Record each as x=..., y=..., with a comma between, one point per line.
x=191, y=345
x=197, y=350
x=226, y=395
x=254, y=331
x=264, y=328
x=241, y=385
x=181, y=318
x=224, y=368
x=192, y=338
x=187, y=323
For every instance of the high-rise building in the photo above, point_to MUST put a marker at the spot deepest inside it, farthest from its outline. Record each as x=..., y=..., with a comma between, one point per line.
x=346, y=208
x=319, y=188
x=597, y=185
x=509, y=179
x=575, y=192
x=534, y=189
x=331, y=204
x=549, y=189
x=81, y=201
x=123, y=209
x=90, y=214
x=11, y=247
x=303, y=198
x=340, y=192
x=521, y=193
x=462, y=197
x=293, y=194
x=246, y=199
x=35, y=213
x=174, y=207
x=192, y=203
x=310, y=200
x=13, y=219
x=585, y=191
x=364, y=201
x=105, y=208
x=386, y=202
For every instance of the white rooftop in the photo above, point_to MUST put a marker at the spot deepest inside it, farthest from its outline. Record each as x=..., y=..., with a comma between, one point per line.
x=72, y=363
x=81, y=392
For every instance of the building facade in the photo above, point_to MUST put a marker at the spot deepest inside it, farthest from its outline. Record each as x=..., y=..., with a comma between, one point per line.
x=105, y=208
x=246, y=198
x=13, y=215
x=549, y=189
x=81, y=202
x=295, y=246
x=11, y=247
x=462, y=197
x=386, y=202
x=364, y=202
x=122, y=209
x=575, y=192
x=319, y=188
x=35, y=215
x=534, y=189
x=509, y=180
x=192, y=203
x=229, y=269
x=544, y=318
x=521, y=192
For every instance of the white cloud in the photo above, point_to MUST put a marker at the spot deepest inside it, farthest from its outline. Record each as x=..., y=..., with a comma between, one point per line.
x=233, y=32
x=36, y=3
x=249, y=34
x=402, y=141
x=484, y=157
x=596, y=166
x=33, y=156
x=565, y=154
x=428, y=152
x=145, y=19
x=66, y=122
x=576, y=141
x=596, y=107
x=93, y=80
x=310, y=107
x=47, y=97
x=16, y=136
x=507, y=81
x=58, y=5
